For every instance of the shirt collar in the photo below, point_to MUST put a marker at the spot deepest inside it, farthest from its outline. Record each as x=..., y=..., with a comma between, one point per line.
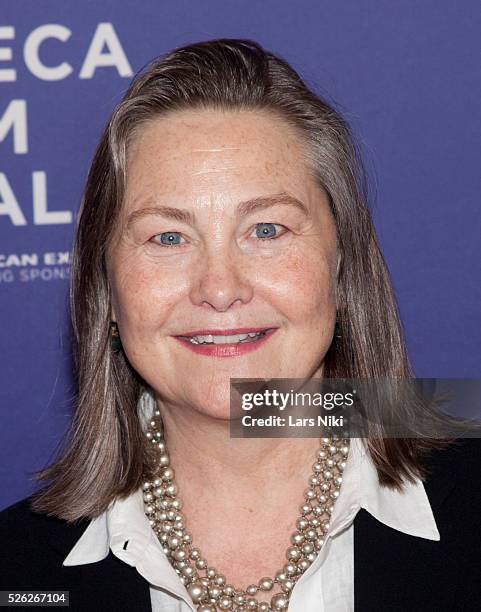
x=408, y=511
x=125, y=529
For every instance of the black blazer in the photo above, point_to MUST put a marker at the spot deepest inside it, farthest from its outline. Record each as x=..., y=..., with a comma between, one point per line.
x=392, y=571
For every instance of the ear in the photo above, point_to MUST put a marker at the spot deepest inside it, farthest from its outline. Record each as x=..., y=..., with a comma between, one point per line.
x=113, y=316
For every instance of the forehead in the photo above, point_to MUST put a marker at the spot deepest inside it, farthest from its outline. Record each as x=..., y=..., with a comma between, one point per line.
x=203, y=153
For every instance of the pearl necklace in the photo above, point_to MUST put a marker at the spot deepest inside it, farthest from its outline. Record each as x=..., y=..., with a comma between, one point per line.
x=210, y=592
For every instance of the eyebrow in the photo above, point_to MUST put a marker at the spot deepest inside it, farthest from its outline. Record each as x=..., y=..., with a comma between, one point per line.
x=244, y=208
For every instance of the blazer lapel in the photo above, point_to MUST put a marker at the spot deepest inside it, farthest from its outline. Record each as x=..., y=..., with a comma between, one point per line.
x=107, y=585
x=397, y=572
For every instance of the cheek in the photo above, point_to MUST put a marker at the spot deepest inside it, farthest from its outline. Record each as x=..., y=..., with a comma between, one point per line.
x=303, y=289
x=142, y=296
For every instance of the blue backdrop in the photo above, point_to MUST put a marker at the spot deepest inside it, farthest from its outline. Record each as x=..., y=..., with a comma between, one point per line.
x=405, y=74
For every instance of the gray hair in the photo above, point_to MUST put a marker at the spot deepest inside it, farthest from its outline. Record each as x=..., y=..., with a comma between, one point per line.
x=104, y=455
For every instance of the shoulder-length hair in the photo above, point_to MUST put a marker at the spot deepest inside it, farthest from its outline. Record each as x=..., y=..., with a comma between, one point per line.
x=104, y=454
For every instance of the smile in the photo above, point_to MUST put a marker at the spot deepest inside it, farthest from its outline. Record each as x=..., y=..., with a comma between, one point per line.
x=211, y=339
x=226, y=345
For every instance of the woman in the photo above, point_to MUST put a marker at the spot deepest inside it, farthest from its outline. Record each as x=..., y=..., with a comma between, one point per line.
x=224, y=234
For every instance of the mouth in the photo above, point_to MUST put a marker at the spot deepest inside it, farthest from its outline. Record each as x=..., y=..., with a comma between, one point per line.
x=232, y=337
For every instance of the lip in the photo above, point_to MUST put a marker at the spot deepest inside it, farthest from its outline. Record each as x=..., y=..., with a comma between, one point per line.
x=224, y=332
x=232, y=349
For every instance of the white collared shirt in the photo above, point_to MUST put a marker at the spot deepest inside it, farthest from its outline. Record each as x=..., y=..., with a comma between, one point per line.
x=326, y=586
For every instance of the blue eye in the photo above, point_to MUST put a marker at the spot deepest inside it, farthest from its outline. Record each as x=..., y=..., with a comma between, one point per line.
x=170, y=238
x=267, y=230
x=264, y=231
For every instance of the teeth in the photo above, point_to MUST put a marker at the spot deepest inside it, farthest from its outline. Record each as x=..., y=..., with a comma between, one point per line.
x=211, y=339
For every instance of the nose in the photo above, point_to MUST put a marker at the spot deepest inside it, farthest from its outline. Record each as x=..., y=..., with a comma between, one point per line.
x=221, y=280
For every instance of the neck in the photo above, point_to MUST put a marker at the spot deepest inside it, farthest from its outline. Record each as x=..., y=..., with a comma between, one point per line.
x=211, y=463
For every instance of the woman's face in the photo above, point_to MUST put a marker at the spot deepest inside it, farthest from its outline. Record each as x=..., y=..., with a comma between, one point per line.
x=223, y=228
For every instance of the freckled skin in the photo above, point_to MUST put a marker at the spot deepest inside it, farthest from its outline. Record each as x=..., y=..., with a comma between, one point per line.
x=222, y=276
